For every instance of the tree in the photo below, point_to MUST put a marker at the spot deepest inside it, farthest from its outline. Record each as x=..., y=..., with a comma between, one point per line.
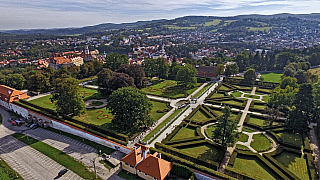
x=234, y=68
x=225, y=131
x=219, y=69
x=136, y=72
x=114, y=60
x=228, y=71
x=302, y=113
x=273, y=114
x=186, y=75
x=15, y=81
x=288, y=81
x=130, y=108
x=104, y=77
x=283, y=97
x=250, y=74
x=38, y=83
x=120, y=80
x=149, y=67
x=68, y=98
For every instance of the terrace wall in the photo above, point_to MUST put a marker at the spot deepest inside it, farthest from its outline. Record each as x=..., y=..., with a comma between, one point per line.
x=24, y=112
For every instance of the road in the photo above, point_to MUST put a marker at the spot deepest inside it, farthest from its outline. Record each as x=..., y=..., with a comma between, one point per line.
x=26, y=161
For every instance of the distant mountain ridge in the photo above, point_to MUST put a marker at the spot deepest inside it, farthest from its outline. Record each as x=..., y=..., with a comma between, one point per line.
x=112, y=26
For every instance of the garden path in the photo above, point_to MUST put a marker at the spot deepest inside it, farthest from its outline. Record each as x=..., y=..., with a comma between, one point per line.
x=314, y=143
x=87, y=103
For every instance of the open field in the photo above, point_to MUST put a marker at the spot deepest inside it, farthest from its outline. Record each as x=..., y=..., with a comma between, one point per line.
x=213, y=22
x=179, y=27
x=259, y=28
x=272, y=77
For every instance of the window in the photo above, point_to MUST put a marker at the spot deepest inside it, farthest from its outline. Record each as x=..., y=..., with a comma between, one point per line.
x=131, y=166
x=154, y=178
x=127, y=164
x=139, y=171
x=145, y=174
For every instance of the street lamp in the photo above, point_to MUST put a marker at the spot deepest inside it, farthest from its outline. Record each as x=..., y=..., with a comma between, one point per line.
x=100, y=152
x=94, y=166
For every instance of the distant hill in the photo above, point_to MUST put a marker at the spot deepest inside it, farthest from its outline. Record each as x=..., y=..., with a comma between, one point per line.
x=187, y=22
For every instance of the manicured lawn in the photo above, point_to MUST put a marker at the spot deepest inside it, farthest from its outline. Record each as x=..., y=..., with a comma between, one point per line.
x=44, y=102
x=272, y=77
x=157, y=106
x=96, y=116
x=216, y=95
x=266, y=98
x=262, y=107
x=204, y=152
x=6, y=172
x=96, y=146
x=216, y=111
x=247, y=130
x=243, y=137
x=254, y=167
x=257, y=120
x=231, y=102
x=224, y=88
x=242, y=147
x=184, y=132
x=168, y=88
x=161, y=125
x=210, y=130
x=96, y=103
x=260, y=142
x=252, y=96
x=199, y=116
x=295, y=163
x=203, y=89
x=291, y=138
x=58, y=156
x=126, y=175
x=237, y=94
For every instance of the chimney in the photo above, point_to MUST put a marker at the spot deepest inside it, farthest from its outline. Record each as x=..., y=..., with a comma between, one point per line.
x=159, y=155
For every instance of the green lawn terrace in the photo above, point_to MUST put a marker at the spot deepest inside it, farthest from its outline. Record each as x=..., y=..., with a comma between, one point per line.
x=169, y=88
x=272, y=77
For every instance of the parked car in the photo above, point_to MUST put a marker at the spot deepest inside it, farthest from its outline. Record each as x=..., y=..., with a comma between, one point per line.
x=13, y=123
x=19, y=123
x=62, y=172
x=28, y=125
x=9, y=119
x=35, y=126
x=32, y=125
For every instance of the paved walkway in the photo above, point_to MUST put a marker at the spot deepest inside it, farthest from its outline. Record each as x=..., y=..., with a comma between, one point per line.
x=39, y=96
x=314, y=143
x=26, y=161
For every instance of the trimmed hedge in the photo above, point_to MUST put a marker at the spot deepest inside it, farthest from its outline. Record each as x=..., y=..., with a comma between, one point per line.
x=172, y=158
x=173, y=133
x=306, y=144
x=278, y=165
x=312, y=171
x=182, y=171
x=187, y=156
x=233, y=158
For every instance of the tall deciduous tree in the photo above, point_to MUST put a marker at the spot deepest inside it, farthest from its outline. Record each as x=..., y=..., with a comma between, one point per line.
x=250, y=74
x=219, y=69
x=136, y=72
x=38, y=83
x=186, y=75
x=130, y=108
x=302, y=113
x=225, y=131
x=15, y=81
x=68, y=98
x=104, y=77
x=114, y=60
x=120, y=80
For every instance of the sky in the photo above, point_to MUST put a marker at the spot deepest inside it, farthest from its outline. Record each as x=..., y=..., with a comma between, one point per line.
x=43, y=14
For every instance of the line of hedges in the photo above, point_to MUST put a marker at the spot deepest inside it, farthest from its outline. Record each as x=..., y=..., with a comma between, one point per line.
x=278, y=165
x=184, y=155
x=246, y=82
x=266, y=162
x=173, y=133
x=312, y=171
x=306, y=144
x=214, y=91
x=182, y=171
x=233, y=158
x=176, y=159
x=87, y=127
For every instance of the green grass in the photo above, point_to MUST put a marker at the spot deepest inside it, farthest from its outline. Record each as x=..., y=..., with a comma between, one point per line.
x=272, y=77
x=126, y=175
x=213, y=22
x=292, y=138
x=7, y=173
x=178, y=27
x=254, y=167
x=295, y=163
x=257, y=120
x=224, y=88
x=168, y=88
x=13, y=114
x=97, y=117
x=96, y=103
x=232, y=102
x=243, y=137
x=161, y=125
x=58, y=156
x=157, y=106
x=87, y=79
x=96, y=146
x=107, y=164
x=199, y=116
x=215, y=95
x=204, y=152
x=242, y=147
x=209, y=131
x=251, y=96
x=260, y=142
x=236, y=94
x=259, y=28
x=184, y=132
x=261, y=107
x=266, y=98
x=247, y=130
x=44, y=102
x=203, y=89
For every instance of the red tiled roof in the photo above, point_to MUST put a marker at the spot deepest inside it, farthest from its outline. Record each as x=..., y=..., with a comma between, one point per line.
x=9, y=94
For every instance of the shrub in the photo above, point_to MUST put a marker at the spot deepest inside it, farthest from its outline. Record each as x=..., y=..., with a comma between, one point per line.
x=182, y=171
x=311, y=167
